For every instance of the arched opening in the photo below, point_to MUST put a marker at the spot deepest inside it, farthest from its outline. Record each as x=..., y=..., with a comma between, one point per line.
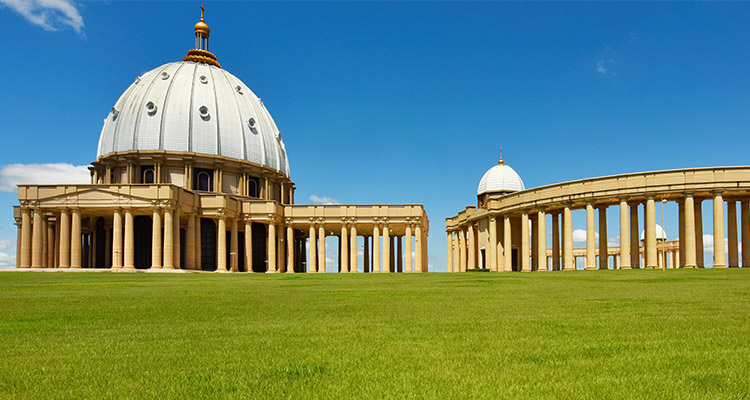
x=208, y=244
x=147, y=175
x=142, y=241
x=203, y=180
x=252, y=187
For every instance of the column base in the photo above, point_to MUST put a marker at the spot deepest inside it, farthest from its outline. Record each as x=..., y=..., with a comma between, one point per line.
x=272, y=272
x=127, y=268
x=720, y=265
x=289, y=272
x=590, y=268
x=167, y=267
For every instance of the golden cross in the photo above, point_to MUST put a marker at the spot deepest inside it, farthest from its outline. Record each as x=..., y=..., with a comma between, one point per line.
x=202, y=10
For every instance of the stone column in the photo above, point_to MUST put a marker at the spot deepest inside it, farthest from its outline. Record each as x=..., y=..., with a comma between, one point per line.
x=376, y=248
x=26, y=246
x=176, y=240
x=555, y=241
x=745, y=216
x=344, y=249
x=472, y=263
x=699, y=254
x=50, y=245
x=45, y=242
x=321, y=249
x=624, y=235
x=492, y=253
x=36, y=239
x=603, y=251
x=392, y=253
x=75, y=239
x=156, y=239
x=234, y=246
x=409, y=265
x=461, y=251
x=418, y=243
x=541, y=241
x=650, y=236
x=569, y=263
x=353, y=249
x=386, y=262
x=681, y=224
x=449, y=260
x=190, y=243
x=64, y=240
x=128, y=246
x=456, y=253
x=248, y=244
x=690, y=241
x=168, y=239
x=56, y=261
x=525, y=241
x=590, y=238
x=280, y=262
x=507, y=245
x=271, y=246
x=117, y=239
x=312, y=265
x=720, y=260
x=534, y=240
x=289, y=249
x=635, y=237
x=734, y=260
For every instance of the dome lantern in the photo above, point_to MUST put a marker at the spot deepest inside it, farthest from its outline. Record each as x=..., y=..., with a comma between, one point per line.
x=200, y=53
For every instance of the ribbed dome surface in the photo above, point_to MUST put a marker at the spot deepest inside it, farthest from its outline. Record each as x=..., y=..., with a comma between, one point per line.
x=660, y=233
x=500, y=178
x=194, y=107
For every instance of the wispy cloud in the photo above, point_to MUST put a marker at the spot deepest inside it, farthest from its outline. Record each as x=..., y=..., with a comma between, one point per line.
x=603, y=68
x=579, y=235
x=7, y=260
x=60, y=173
x=323, y=200
x=48, y=14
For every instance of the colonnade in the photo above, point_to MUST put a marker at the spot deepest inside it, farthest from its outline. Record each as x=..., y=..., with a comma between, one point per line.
x=54, y=238
x=533, y=252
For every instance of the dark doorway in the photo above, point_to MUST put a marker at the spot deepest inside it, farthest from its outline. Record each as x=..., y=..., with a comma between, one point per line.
x=142, y=241
x=259, y=247
x=208, y=244
x=182, y=249
x=101, y=245
x=514, y=260
x=484, y=259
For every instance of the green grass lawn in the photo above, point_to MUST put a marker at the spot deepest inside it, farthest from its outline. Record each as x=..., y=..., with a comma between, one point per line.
x=590, y=334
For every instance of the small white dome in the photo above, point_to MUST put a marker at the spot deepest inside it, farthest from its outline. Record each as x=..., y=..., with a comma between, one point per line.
x=194, y=107
x=661, y=234
x=500, y=178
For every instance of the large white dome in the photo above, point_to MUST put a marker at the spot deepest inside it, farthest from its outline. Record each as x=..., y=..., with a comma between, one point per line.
x=500, y=178
x=193, y=107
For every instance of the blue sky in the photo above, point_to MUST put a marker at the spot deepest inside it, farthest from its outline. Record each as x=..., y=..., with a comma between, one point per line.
x=402, y=102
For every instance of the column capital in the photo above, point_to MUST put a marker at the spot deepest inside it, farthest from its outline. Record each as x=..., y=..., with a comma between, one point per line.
x=718, y=192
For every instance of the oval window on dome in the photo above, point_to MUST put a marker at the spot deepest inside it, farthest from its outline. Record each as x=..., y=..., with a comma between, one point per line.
x=151, y=108
x=204, y=113
x=251, y=123
x=203, y=79
x=164, y=75
x=238, y=88
x=115, y=113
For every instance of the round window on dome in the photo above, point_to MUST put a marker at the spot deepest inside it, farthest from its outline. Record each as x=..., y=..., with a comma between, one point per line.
x=164, y=75
x=151, y=108
x=251, y=123
x=203, y=79
x=238, y=89
x=204, y=113
x=115, y=113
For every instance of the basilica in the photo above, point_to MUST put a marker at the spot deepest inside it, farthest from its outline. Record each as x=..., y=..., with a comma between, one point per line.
x=192, y=173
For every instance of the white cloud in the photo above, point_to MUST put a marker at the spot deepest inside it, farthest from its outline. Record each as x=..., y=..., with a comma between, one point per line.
x=602, y=68
x=579, y=235
x=7, y=260
x=708, y=245
x=48, y=14
x=323, y=200
x=614, y=241
x=7, y=244
x=60, y=173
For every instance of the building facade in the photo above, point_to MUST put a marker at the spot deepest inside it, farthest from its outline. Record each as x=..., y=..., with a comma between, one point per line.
x=192, y=173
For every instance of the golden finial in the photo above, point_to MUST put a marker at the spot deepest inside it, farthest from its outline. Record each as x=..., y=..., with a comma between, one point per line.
x=501, y=156
x=201, y=29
